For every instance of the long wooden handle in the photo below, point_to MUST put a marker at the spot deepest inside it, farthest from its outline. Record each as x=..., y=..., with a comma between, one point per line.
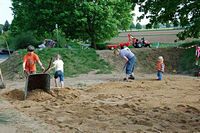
x=50, y=63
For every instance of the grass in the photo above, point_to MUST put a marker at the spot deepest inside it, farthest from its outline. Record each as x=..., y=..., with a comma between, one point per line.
x=165, y=45
x=187, y=61
x=76, y=61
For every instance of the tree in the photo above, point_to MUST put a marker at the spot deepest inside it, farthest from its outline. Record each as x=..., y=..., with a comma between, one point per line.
x=156, y=26
x=148, y=26
x=168, y=25
x=93, y=20
x=97, y=21
x=1, y=28
x=132, y=26
x=6, y=26
x=138, y=26
x=183, y=12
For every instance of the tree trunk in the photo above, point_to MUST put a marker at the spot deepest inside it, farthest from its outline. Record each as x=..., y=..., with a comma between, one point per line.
x=93, y=44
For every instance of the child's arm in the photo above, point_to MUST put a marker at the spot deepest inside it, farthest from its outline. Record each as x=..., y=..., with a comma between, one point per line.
x=162, y=67
x=125, y=58
x=41, y=65
x=51, y=68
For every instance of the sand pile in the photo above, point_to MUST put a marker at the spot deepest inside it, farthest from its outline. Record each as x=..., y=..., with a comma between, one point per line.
x=15, y=94
x=39, y=95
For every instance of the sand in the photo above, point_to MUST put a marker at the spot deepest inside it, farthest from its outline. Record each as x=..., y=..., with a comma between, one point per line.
x=113, y=106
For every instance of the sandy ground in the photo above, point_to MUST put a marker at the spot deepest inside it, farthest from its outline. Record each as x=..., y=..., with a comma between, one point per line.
x=104, y=103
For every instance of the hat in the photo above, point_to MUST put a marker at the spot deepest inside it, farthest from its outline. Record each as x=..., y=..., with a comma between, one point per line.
x=30, y=48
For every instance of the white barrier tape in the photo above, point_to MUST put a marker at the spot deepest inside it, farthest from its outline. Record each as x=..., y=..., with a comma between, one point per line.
x=187, y=47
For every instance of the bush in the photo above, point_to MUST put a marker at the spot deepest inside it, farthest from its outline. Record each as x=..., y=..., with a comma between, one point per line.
x=22, y=40
x=60, y=37
x=101, y=46
x=188, y=44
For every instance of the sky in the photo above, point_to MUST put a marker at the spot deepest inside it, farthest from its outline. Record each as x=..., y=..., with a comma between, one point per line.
x=137, y=13
x=6, y=13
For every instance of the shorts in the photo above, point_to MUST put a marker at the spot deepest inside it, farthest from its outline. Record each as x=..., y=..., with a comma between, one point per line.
x=59, y=74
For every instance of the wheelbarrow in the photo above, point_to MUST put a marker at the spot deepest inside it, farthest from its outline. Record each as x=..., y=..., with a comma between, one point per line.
x=38, y=81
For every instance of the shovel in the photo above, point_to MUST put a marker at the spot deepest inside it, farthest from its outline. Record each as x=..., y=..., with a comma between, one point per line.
x=2, y=85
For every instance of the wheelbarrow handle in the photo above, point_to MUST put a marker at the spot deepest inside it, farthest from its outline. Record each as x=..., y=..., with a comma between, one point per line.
x=49, y=66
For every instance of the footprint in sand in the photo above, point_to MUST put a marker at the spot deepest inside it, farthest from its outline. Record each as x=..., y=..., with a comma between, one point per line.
x=188, y=109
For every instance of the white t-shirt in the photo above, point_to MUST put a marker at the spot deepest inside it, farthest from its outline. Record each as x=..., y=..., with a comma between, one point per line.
x=126, y=52
x=58, y=65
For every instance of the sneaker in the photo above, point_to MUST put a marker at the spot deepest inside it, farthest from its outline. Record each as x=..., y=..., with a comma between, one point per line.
x=125, y=79
x=131, y=77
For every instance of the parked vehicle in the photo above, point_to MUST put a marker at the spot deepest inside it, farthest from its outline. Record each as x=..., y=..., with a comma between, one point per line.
x=131, y=41
x=140, y=43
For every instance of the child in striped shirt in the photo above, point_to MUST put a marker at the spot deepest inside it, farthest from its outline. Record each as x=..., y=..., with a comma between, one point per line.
x=160, y=67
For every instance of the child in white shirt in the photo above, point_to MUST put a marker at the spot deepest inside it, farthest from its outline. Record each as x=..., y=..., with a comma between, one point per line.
x=59, y=70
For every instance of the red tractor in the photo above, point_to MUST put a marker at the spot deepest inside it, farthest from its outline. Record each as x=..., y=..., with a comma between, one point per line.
x=131, y=41
x=138, y=43
x=122, y=44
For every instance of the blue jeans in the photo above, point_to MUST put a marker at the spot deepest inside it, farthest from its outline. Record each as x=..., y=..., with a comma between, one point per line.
x=59, y=74
x=130, y=66
x=159, y=75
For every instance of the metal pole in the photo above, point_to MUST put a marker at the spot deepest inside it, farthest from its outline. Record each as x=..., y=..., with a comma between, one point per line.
x=57, y=32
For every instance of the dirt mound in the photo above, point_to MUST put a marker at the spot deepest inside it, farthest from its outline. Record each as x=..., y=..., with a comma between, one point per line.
x=15, y=94
x=39, y=95
x=10, y=68
x=146, y=59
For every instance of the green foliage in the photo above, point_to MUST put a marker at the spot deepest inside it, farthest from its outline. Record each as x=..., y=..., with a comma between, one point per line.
x=1, y=42
x=156, y=26
x=132, y=26
x=178, y=12
x=95, y=21
x=101, y=46
x=5, y=39
x=138, y=26
x=22, y=40
x=187, y=61
x=188, y=44
x=6, y=26
x=1, y=28
x=168, y=25
x=58, y=36
x=148, y=26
